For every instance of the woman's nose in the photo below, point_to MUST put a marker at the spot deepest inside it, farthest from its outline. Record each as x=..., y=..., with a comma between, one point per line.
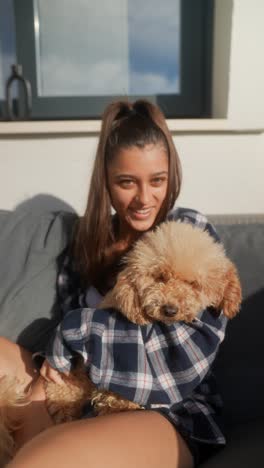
x=143, y=195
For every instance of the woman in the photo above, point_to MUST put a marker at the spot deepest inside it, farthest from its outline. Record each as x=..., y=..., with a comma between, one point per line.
x=137, y=173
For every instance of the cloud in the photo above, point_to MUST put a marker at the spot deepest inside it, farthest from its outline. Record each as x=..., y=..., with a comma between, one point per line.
x=154, y=36
x=65, y=78
x=103, y=78
x=150, y=83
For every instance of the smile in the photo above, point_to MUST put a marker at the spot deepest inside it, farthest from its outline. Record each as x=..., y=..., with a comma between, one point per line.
x=146, y=210
x=144, y=213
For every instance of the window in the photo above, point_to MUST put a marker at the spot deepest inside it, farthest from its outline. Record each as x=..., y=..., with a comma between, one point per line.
x=7, y=47
x=79, y=56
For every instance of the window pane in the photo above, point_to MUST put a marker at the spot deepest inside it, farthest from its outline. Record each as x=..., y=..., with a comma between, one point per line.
x=154, y=46
x=103, y=48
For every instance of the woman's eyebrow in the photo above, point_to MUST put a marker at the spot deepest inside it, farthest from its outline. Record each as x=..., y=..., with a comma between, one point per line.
x=155, y=174
x=159, y=173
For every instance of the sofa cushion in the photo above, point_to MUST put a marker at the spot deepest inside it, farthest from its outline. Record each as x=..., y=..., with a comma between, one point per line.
x=30, y=245
x=239, y=365
x=244, y=448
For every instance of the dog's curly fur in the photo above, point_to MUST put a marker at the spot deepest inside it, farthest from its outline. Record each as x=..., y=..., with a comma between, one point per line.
x=12, y=396
x=170, y=275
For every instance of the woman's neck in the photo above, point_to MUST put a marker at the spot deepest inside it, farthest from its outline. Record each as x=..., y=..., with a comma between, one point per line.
x=125, y=236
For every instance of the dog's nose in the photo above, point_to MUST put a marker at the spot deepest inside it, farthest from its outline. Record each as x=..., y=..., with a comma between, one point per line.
x=169, y=311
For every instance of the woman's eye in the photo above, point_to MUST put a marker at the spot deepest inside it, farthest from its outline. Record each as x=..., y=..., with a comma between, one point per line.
x=126, y=183
x=158, y=181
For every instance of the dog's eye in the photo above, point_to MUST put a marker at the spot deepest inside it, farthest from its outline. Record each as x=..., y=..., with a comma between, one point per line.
x=161, y=277
x=195, y=284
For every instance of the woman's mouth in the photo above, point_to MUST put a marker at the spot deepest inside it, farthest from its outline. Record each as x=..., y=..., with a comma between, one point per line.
x=142, y=213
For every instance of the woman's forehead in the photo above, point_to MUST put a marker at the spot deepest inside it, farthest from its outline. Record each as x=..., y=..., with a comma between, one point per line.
x=150, y=158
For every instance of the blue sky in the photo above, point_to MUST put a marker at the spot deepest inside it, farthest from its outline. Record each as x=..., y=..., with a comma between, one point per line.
x=154, y=47
x=118, y=47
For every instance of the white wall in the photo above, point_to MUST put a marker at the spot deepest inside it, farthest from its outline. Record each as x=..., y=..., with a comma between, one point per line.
x=223, y=172
x=246, y=94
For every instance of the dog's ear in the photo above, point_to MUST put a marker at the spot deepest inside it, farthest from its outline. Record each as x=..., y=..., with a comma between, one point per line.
x=232, y=296
x=124, y=297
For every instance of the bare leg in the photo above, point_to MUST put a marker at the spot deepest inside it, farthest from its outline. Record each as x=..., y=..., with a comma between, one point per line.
x=16, y=362
x=144, y=439
x=35, y=416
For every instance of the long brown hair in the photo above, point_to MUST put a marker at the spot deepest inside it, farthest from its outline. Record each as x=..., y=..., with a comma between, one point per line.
x=124, y=125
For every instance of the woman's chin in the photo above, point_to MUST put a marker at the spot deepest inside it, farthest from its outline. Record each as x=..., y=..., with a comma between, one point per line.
x=141, y=225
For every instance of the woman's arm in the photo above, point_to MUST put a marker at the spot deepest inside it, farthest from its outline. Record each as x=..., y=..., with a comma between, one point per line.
x=152, y=364
x=155, y=364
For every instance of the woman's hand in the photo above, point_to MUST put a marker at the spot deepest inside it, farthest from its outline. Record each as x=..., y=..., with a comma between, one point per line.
x=50, y=374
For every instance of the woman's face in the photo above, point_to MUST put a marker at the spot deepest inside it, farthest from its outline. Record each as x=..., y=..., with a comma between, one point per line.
x=137, y=183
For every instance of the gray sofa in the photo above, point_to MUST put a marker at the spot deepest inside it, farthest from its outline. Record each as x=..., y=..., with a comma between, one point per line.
x=239, y=366
x=30, y=246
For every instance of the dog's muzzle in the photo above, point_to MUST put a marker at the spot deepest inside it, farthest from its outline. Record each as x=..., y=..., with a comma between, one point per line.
x=169, y=311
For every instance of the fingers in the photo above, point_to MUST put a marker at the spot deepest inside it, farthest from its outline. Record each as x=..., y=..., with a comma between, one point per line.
x=50, y=374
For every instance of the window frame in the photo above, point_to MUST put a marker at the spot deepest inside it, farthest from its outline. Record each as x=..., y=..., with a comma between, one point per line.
x=194, y=100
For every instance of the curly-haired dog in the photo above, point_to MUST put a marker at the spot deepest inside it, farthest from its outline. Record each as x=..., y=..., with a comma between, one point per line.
x=170, y=275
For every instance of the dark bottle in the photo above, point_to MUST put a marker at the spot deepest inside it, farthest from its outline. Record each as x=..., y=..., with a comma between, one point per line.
x=17, y=75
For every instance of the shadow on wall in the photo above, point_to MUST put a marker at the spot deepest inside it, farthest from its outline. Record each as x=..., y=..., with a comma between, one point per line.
x=44, y=203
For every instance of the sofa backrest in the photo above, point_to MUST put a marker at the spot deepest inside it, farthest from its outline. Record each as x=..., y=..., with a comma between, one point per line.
x=31, y=242
x=239, y=366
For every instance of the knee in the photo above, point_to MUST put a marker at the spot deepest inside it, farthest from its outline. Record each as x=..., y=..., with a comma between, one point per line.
x=6, y=351
x=14, y=360
x=5, y=342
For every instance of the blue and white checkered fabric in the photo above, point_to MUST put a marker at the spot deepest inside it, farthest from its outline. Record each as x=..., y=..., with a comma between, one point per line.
x=162, y=367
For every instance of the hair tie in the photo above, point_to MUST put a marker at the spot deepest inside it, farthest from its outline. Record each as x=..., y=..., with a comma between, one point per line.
x=132, y=112
x=124, y=113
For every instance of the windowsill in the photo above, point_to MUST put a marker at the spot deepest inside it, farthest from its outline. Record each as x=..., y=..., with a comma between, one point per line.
x=92, y=127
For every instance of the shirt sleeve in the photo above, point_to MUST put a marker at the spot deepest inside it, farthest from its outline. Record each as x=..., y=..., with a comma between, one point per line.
x=190, y=216
x=70, y=293
x=68, y=285
x=156, y=365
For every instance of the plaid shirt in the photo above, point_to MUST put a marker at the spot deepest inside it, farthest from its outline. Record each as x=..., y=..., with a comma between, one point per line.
x=162, y=367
